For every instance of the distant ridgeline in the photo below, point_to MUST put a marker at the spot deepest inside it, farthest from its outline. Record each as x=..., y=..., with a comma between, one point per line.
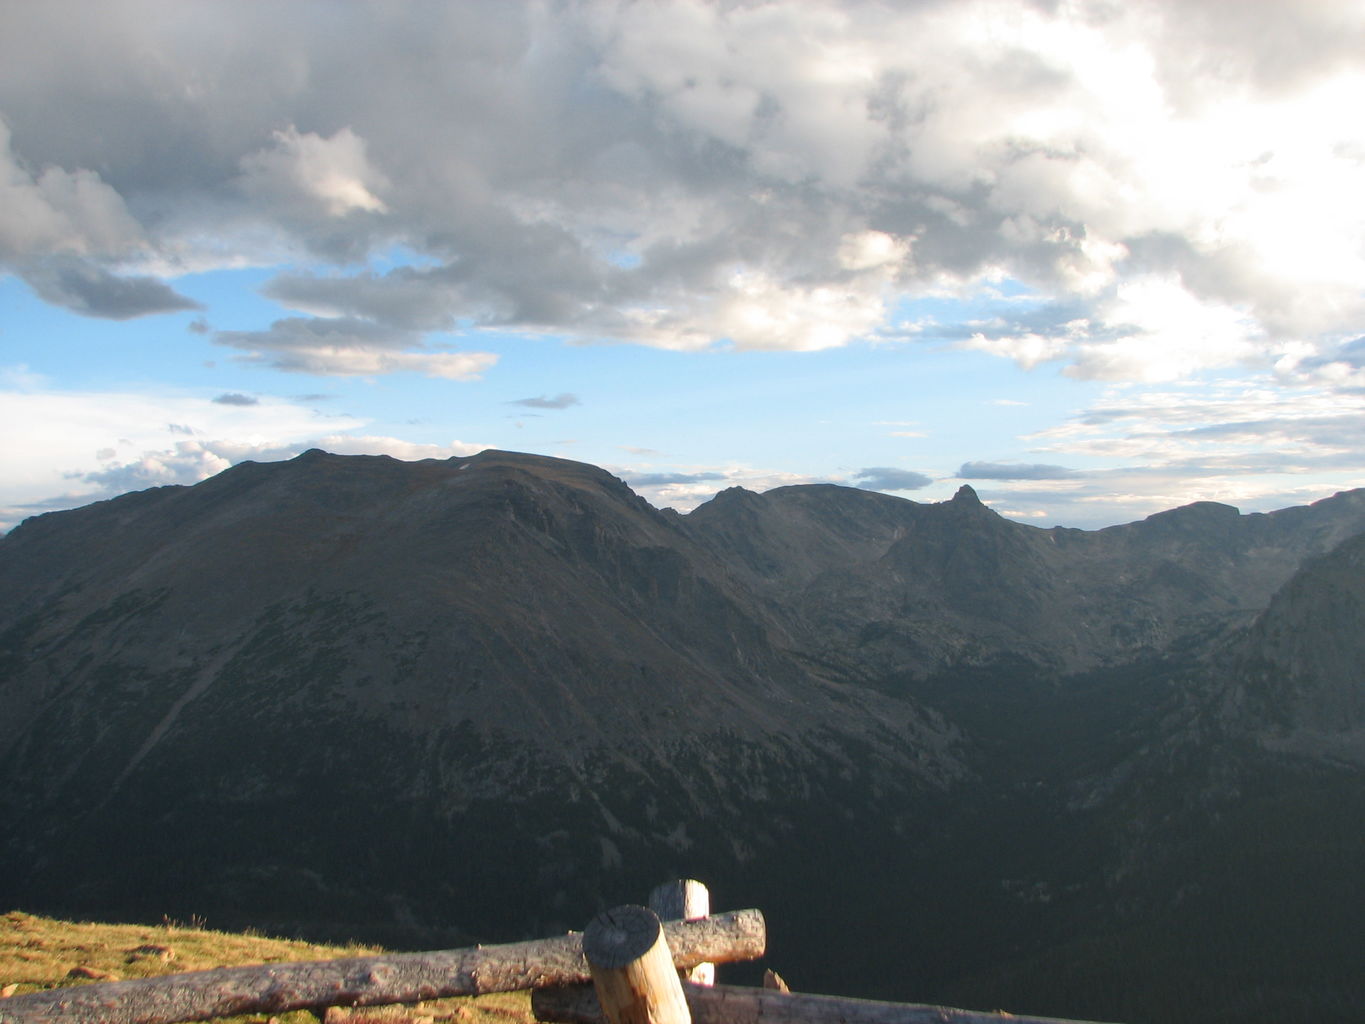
x=1114, y=774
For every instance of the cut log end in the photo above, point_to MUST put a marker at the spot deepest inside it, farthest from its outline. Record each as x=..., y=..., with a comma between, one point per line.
x=632, y=969
x=621, y=936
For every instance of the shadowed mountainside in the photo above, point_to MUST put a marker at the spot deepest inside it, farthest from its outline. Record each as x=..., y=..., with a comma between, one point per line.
x=478, y=698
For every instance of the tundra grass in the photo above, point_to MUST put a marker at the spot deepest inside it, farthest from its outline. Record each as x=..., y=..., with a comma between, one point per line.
x=42, y=953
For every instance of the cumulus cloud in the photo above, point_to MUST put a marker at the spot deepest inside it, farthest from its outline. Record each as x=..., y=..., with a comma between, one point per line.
x=683, y=175
x=102, y=445
x=235, y=398
x=867, y=250
x=1147, y=328
x=55, y=228
x=1178, y=187
x=56, y=438
x=886, y=478
x=59, y=211
x=334, y=173
x=188, y=462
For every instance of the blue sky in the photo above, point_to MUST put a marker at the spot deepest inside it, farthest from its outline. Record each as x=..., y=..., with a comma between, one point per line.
x=1094, y=261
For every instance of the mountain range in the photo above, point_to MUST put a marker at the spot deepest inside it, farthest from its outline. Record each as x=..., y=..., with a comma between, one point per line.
x=1116, y=774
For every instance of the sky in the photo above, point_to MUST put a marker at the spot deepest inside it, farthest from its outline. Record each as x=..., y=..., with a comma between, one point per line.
x=1094, y=259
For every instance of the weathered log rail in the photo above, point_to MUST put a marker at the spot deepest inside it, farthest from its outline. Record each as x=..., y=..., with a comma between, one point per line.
x=633, y=960
x=731, y=1004
x=367, y=981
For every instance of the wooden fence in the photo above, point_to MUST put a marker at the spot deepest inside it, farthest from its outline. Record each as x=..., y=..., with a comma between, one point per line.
x=627, y=967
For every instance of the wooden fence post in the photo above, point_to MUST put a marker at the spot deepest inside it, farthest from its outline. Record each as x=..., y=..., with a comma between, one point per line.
x=632, y=969
x=685, y=900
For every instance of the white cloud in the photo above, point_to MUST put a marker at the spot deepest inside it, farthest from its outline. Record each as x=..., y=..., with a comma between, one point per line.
x=1174, y=335
x=759, y=311
x=677, y=173
x=365, y=444
x=58, y=442
x=188, y=462
x=59, y=211
x=1251, y=415
x=787, y=85
x=1247, y=442
x=334, y=172
x=1028, y=350
x=50, y=472
x=869, y=250
x=1147, y=328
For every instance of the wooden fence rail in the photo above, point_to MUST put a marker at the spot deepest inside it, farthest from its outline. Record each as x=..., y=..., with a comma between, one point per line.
x=730, y=1004
x=626, y=953
x=367, y=981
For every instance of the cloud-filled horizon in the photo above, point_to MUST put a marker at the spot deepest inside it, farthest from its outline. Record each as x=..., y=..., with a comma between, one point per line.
x=1099, y=259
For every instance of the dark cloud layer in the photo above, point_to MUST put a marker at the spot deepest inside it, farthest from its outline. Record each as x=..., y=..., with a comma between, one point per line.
x=885, y=478
x=92, y=291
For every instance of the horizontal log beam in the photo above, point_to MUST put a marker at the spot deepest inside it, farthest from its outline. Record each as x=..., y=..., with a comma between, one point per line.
x=367, y=981
x=728, y=1004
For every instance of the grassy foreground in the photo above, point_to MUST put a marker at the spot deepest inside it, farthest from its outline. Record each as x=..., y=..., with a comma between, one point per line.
x=40, y=953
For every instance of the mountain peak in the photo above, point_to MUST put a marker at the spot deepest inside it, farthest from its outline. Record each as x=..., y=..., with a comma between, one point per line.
x=966, y=495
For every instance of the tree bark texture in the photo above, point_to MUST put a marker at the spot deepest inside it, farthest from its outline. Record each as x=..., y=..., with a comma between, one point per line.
x=367, y=981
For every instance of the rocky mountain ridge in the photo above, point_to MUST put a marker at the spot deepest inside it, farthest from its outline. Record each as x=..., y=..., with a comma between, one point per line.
x=476, y=698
